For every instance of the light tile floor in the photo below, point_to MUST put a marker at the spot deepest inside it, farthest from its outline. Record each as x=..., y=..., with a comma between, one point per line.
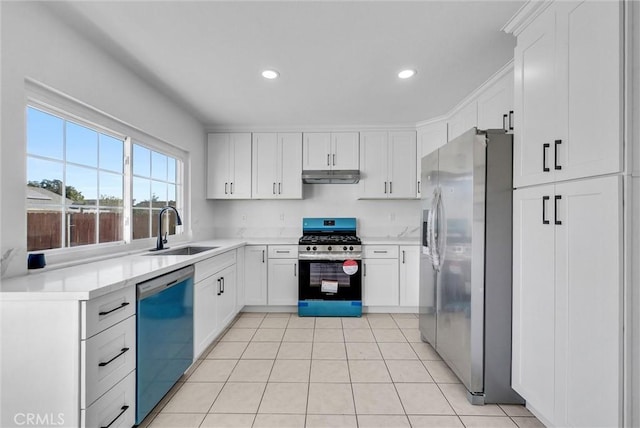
x=280, y=370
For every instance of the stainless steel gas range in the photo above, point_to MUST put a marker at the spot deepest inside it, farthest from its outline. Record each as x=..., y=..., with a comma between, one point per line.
x=330, y=279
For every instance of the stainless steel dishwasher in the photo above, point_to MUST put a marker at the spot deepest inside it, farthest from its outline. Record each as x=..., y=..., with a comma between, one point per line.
x=165, y=336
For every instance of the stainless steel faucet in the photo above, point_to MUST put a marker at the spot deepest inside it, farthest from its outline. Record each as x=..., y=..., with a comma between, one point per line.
x=161, y=241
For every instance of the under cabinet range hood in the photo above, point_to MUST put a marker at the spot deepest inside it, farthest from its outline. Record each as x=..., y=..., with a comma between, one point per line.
x=336, y=176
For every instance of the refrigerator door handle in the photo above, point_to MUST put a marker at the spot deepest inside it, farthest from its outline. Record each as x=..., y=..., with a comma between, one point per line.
x=435, y=229
x=442, y=231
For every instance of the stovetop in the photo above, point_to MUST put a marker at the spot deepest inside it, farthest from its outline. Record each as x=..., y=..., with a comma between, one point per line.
x=329, y=239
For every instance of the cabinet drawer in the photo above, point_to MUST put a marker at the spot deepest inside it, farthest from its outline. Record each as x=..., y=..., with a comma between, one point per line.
x=283, y=251
x=208, y=267
x=103, y=312
x=380, y=251
x=106, y=358
x=116, y=408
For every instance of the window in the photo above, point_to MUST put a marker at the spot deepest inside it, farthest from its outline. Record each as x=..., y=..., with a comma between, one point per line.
x=76, y=178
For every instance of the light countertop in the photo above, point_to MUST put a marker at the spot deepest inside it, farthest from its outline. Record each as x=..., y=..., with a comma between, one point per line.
x=94, y=279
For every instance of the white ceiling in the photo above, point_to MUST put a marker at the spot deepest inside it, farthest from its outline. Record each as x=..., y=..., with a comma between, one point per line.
x=338, y=60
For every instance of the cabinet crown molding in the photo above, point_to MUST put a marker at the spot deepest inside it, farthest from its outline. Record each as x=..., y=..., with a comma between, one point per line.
x=525, y=15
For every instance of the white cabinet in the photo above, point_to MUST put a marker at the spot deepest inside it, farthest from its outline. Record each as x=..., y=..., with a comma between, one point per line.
x=568, y=93
x=214, y=296
x=328, y=151
x=283, y=275
x=240, y=275
x=229, y=166
x=495, y=105
x=277, y=166
x=380, y=286
x=255, y=275
x=409, y=275
x=567, y=294
x=430, y=137
x=462, y=120
x=387, y=165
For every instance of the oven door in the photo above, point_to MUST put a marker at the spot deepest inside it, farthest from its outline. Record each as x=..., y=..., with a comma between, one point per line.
x=330, y=280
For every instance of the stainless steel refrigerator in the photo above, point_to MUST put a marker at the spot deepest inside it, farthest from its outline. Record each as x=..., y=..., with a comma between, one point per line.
x=465, y=263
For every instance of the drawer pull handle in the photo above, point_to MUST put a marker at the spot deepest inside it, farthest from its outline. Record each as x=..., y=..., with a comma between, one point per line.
x=122, y=351
x=283, y=251
x=114, y=309
x=380, y=252
x=122, y=410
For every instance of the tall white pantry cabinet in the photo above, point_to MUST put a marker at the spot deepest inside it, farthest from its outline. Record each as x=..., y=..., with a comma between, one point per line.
x=568, y=212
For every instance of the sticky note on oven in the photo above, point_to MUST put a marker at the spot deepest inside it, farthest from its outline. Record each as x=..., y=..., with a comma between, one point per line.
x=328, y=286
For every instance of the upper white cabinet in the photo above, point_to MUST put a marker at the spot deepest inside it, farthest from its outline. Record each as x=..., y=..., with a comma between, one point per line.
x=277, y=165
x=229, y=166
x=328, y=151
x=568, y=93
x=463, y=120
x=495, y=105
x=387, y=165
x=430, y=137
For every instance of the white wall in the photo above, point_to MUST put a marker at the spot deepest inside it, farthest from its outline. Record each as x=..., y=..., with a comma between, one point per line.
x=283, y=218
x=37, y=45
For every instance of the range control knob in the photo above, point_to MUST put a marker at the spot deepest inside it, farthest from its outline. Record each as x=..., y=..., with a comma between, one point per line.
x=329, y=248
x=344, y=248
x=315, y=248
x=308, y=248
x=350, y=248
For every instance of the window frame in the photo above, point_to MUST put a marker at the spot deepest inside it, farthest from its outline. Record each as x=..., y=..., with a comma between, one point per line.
x=55, y=103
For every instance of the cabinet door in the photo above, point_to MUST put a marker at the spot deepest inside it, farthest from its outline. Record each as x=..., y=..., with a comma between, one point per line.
x=316, y=151
x=255, y=275
x=240, y=161
x=204, y=314
x=380, y=282
x=345, y=150
x=409, y=275
x=218, y=166
x=588, y=301
x=430, y=137
x=589, y=43
x=264, y=165
x=463, y=120
x=283, y=282
x=373, y=166
x=226, y=300
x=495, y=104
x=534, y=305
x=290, y=166
x=535, y=106
x=240, y=284
x=402, y=165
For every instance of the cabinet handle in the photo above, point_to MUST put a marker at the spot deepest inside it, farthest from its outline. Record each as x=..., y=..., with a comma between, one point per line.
x=328, y=158
x=231, y=187
x=122, y=351
x=274, y=188
x=122, y=305
x=380, y=251
x=544, y=210
x=225, y=188
x=295, y=269
x=279, y=188
x=419, y=189
x=545, y=146
x=262, y=256
x=504, y=123
x=385, y=187
x=283, y=251
x=364, y=269
x=222, y=282
x=122, y=410
x=219, y=286
x=334, y=160
x=555, y=154
x=555, y=209
x=402, y=256
x=391, y=187
x=510, y=120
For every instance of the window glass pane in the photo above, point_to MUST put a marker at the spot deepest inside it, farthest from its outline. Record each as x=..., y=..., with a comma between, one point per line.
x=111, y=190
x=171, y=195
x=110, y=220
x=158, y=194
x=82, y=145
x=80, y=226
x=141, y=192
x=45, y=174
x=111, y=153
x=44, y=227
x=82, y=185
x=44, y=134
x=158, y=166
x=171, y=170
x=141, y=161
x=140, y=223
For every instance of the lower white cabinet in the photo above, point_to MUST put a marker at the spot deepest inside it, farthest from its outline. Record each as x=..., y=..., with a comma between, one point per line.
x=255, y=275
x=380, y=286
x=409, y=275
x=214, y=298
x=116, y=408
x=283, y=275
x=567, y=301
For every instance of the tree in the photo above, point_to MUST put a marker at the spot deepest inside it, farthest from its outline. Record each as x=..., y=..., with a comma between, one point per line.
x=55, y=186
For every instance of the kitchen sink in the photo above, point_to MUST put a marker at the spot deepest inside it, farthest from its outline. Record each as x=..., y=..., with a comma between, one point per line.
x=183, y=251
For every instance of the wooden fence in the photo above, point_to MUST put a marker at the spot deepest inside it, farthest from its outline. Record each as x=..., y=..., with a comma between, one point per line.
x=44, y=229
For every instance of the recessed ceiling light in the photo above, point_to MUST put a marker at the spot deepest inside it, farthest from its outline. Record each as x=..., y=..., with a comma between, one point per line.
x=270, y=74
x=405, y=74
